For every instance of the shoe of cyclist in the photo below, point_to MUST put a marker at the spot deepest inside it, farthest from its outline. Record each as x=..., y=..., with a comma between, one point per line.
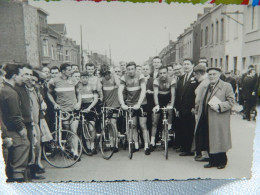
x=152, y=148
x=115, y=149
x=147, y=151
x=94, y=151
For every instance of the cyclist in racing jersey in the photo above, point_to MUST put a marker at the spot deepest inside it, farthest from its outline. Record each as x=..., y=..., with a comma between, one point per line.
x=89, y=99
x=110, y=84
x=66, y=99
x=164, y=95
x=135, y=86
x=94, y=80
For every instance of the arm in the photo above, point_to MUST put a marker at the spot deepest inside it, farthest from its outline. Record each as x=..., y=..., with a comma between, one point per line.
x=155, y=95
x=50, y=91
x=230, y=99
x=94, y=101
x=143, y=93
x=79, y=99
x=120, y=94
x=99, y=89
x=172, y=96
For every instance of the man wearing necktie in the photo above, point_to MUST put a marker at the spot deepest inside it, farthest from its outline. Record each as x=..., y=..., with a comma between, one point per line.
x=214, y=118
x=185, y=104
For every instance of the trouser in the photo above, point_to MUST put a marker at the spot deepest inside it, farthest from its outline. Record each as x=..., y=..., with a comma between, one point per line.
x=187, y=128
x=218, y=159
x=249, y=106
x=18, y=156
x=30, y=136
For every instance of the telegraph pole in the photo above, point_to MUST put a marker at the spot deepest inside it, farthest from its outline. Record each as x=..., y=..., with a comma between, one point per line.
x=81, y=48
x=110, y=55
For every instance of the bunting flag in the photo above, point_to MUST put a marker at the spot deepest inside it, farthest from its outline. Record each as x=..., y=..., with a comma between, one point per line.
x=256, y=2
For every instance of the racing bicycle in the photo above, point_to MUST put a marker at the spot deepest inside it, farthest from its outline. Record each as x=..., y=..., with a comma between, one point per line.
x=65, y=149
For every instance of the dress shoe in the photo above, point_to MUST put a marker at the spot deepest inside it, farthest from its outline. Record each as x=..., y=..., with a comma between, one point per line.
x=135, y=150
x=179, y=150
x=202, y=159
x=38, y=177
x=208, y=166
x=147, y=151
x=198, y=157
x=39, y=169
x=221, y=166
x=186, y=154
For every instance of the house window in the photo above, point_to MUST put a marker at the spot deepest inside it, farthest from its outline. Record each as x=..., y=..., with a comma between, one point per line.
x=216, y=62
x=226, y=63
x=211, y=62
x=45, y=47
x=243, y=63
x=254, y=18
x=217, y=28
x=212, y=33
x=201, y=38
x=67, y=57
x=221, y=63
x=222, y=30
x=52, y=53
x=235, y=65
x=206, y=36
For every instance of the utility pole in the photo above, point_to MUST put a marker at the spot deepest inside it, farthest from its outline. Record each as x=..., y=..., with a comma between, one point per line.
x=81, y=48
x=110, y=55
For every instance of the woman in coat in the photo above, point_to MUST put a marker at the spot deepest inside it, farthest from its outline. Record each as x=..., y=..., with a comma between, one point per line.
x=214, y=111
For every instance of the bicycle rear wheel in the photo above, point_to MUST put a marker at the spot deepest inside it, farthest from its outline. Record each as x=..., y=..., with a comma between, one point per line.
x=166, y=140
x=60, y=154
x=87, y=138
x=107, y=141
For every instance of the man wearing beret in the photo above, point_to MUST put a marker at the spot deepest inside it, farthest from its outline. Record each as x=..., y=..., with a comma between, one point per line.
x=214, y=112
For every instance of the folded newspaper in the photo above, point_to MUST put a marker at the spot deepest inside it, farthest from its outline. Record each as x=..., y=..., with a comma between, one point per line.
x=214, y=101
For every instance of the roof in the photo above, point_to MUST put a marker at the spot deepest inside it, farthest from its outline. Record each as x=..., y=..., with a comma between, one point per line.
x=60, y=28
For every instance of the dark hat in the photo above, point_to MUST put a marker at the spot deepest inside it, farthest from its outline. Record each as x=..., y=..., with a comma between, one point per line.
x=199, y=67
x=214, y=68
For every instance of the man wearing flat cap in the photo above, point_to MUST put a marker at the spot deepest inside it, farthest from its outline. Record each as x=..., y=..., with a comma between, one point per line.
x=214, y=115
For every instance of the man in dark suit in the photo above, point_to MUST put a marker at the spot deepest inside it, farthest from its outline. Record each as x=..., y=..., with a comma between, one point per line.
x=185, y=104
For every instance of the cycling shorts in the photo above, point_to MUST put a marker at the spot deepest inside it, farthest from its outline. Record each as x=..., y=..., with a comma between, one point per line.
x=91, y=116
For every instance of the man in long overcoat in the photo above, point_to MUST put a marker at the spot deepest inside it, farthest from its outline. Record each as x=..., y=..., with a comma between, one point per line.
x=214, y=112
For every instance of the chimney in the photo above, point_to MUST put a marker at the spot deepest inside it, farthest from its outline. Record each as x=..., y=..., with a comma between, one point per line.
x=206, y=9
x=198, y=16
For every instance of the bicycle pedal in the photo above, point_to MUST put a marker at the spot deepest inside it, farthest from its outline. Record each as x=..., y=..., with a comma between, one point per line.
x=170, y=135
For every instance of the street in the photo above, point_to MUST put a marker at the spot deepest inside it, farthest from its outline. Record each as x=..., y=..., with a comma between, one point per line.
x=154, y=166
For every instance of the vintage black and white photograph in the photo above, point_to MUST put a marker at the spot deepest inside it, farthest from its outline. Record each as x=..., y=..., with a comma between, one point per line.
x=123, y=91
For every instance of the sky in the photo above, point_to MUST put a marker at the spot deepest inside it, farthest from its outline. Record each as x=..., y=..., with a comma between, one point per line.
x=134, y=32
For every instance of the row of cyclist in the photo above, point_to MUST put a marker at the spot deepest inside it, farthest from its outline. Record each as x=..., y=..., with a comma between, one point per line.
x=81, y=125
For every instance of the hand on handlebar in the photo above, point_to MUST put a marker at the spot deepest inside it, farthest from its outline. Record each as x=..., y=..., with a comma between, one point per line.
x=136, y=107
x=87, y=110
x=156, y=108
x=77, y=106
x=56, y=107
x=124, y=107
x=169, y=107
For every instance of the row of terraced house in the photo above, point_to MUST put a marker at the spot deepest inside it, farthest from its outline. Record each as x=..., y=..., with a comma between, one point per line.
x=26, y=37
x=227, y=36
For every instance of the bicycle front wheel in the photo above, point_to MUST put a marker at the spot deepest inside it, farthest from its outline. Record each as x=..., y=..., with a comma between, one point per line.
x=107, y=141
x=130, y=143
x=87, y=137
x=166, y=141
x=64, y=150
